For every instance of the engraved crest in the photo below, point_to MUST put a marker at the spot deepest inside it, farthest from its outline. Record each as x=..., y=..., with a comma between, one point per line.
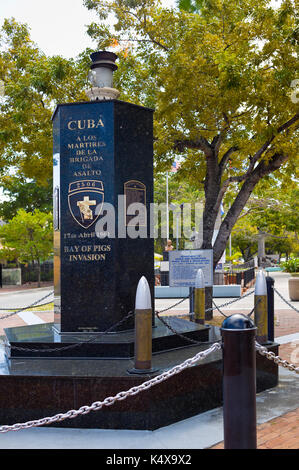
x=86, y=199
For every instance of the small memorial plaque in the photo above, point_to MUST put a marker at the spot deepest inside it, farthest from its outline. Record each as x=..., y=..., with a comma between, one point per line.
x=184, y=264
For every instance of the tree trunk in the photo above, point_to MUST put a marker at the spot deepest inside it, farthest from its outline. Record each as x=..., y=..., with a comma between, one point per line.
x=212, y=189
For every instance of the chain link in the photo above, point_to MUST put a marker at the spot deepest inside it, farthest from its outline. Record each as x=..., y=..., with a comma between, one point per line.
x=185, y=338
x=34, y=304
x=209, y=309
x=192, y=314
x=175, y=305
x=72, y=346
x=285, y=300
x=218, y=308
x=119, y=397
x=277, y=359
x=26, y=308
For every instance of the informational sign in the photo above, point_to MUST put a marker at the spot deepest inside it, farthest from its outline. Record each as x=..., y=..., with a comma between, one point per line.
x=184, y=264
x=164, y=266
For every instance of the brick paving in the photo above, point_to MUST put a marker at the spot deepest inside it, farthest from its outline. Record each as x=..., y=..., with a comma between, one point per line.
x=279, y=433
x=286, y=320
x=15, y=320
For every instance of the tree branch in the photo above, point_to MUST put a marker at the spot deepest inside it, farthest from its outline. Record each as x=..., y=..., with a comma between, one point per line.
x=155, y=41
x=264, y=147
x=263, y=169
x=199, y=144
x=225, y=158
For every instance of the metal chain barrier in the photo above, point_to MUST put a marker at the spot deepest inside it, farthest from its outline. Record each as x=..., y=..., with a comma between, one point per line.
x=26, y=308
x=34, y=304
x=181, y=335
x=277, y=359
x=72, y=346
x=176, y=304
x=285, y=300
x=92, y=340
x=209, y=309
x=191, y=314
x=119, y=397
x=234, y=300
x=218, y=308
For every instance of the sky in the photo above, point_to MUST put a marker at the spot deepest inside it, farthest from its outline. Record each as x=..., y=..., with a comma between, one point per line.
x=58, y=27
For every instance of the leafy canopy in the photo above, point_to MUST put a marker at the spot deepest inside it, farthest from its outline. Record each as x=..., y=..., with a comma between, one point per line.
x=222, y=67
x=32, y=84
x=27, y=237
x=21, y=193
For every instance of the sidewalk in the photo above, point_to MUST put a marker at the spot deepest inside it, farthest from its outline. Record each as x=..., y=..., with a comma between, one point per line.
x=28, y=286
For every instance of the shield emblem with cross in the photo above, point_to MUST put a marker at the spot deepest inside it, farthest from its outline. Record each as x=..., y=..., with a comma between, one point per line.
x=86, y=199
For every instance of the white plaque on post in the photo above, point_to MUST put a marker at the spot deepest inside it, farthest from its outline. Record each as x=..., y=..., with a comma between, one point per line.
x=184, y=264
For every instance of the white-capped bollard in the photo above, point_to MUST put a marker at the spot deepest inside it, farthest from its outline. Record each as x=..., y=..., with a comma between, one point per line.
x=261, y=308
x=199, y=298
x=143, y=329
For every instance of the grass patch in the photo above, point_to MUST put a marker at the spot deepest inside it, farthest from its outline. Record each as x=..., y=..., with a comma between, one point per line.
x=43, y=308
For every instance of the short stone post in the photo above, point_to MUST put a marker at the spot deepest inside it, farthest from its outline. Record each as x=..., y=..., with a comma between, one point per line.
x=199, y=298
x=261, y=308
x=239, y=382
x=143, y=329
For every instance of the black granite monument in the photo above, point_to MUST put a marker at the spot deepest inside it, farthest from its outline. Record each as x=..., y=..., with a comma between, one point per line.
x=103, y=162
x=103, y=155
x=103, y=189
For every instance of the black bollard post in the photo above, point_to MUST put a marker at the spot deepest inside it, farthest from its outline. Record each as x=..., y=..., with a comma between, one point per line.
x=239, y=382
x=270, y=294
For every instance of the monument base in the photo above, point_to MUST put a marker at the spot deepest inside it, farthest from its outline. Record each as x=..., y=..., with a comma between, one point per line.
x=45, y=387
x=45, y=341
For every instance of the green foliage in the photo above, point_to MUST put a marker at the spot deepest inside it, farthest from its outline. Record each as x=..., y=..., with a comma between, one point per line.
x=33, y=85
x=234, y=258
x=245, y=238
x=24, y=194
x=191, y=6
x=274, y=210
x=207, y=73
x=275, y=207
x=27, y=237
x=291, y=265
x=219, y=76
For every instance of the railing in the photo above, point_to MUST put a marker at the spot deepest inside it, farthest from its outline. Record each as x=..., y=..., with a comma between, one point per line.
x=242, y=278
x=30, y=272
